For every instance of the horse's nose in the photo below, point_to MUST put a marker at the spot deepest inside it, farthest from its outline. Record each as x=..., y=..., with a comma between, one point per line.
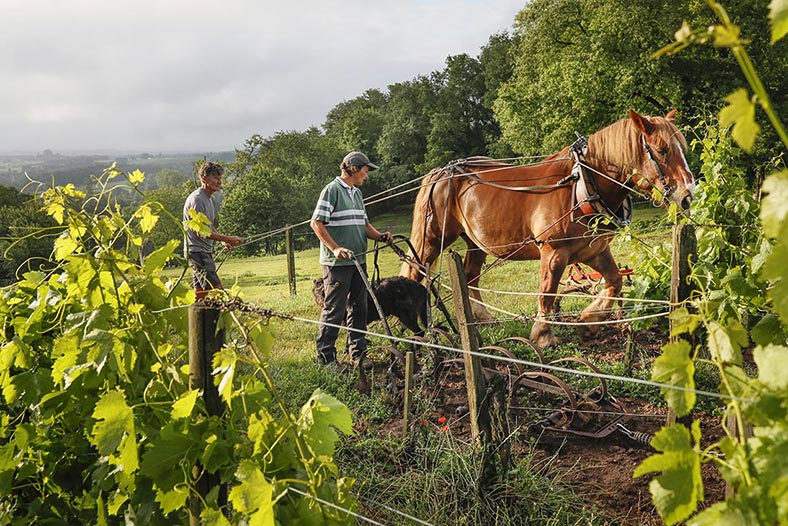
x=686, y=202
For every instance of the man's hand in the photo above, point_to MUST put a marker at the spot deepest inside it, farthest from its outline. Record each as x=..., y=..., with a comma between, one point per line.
x=384, y=237
x=342, y=253
x=230, y=242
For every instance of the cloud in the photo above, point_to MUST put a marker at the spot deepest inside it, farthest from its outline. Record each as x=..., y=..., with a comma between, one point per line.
x=171, y=75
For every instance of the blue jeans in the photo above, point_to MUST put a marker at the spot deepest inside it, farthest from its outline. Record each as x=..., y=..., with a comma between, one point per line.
x=345, y=304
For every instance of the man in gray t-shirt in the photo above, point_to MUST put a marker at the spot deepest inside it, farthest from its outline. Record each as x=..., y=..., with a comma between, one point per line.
x=198, y=249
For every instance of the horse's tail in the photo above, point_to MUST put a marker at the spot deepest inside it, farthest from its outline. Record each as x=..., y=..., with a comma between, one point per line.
x=423, y=211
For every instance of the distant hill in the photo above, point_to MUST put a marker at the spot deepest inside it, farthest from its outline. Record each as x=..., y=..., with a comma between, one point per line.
x=78, y=169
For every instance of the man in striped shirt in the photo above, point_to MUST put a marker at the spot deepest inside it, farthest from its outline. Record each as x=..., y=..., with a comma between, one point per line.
x=340, y=223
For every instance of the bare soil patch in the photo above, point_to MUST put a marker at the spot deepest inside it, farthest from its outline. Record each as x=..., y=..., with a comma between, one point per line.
x=598, y=470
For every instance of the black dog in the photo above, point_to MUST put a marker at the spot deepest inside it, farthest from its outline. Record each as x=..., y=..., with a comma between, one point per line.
x=398, y=296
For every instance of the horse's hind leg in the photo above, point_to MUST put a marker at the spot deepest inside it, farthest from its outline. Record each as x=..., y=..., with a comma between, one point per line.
x=601, y=306
x=474, y=259
x=553, y=262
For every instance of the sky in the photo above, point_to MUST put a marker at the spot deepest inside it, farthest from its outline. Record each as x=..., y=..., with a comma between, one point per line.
x=93, y=76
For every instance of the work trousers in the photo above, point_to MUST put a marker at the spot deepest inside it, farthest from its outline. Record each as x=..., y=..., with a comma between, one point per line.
x=345, y=304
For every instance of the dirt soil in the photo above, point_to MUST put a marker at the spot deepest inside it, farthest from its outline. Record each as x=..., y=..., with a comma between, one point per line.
x=598, y=470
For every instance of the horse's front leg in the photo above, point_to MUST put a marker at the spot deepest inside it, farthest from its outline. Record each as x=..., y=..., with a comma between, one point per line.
x=600, y=308
x=553, y=262
x=474, y=259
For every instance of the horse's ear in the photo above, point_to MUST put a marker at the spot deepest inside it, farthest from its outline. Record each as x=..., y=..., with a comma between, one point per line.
x=641, y=123
x=671, y=116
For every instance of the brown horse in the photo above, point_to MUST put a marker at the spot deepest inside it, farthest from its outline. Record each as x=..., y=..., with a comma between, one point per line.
x=546, y=211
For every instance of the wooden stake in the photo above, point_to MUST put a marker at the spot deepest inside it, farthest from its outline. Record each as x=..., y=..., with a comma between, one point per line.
x=685, y=249
x=204, y=342
x=474, y=378
x=291, y=273
x=409, y=358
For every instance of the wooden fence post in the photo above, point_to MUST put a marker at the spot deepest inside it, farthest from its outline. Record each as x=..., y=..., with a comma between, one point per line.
x=483, y=400
x=409, y=358
x=685, y=250
x=291, y=273
x=204, y=342
x=474, y=377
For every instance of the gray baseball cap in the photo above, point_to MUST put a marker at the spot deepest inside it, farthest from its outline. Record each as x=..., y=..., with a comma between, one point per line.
x=358, y=159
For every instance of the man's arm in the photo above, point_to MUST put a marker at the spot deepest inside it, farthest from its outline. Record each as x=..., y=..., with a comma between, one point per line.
x=373, y=233
x=322, y=234
x=229, y=241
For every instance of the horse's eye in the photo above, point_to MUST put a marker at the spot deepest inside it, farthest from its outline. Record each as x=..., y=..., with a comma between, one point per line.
x=663, y=151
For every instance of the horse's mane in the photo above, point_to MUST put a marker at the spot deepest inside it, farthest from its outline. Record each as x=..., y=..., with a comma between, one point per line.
x=619, y=144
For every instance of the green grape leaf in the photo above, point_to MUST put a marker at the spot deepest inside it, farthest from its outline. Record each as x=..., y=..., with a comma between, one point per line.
x=682, y=322
x=678, y=489
x=174, y=499
x=771, y=361
x=253, y=496
x=224, y=363
x=725, y=343
x=774, y=206
x=740, y=113
x=28, y=387
x=115, y=420
x=767, y=330
x=722, y=514
x=136, y=177
x=147, y=217
x=182, y=408
x=156, y=260
x=199, y=222
x=116, y=501
x=213, y=517
x=263, y=338
x=778, y=491
x=675, y=367
x=128, y=459
x=319, y=416
x=776, y=271
x=778, y=14
x=64, y=246
x=166, y=455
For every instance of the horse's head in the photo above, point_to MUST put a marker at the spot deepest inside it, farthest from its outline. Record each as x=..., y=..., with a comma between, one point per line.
x=662, y=163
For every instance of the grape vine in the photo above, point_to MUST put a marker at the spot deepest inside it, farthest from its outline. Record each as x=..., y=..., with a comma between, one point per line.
x=98, y=423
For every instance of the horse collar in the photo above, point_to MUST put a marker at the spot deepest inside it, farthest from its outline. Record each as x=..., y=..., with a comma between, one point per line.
x=588, y=202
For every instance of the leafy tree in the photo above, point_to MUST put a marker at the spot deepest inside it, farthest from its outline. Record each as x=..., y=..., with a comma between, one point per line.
x=581, y=64
x=24, y=242
x=277, y=183
x=356, y=125
x=169, y=178
x=497, y=61
x=460, y=122
x=403, y=140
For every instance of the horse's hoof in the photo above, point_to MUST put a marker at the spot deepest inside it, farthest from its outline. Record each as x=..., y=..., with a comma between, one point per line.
x=547, y=340
x=588, y=331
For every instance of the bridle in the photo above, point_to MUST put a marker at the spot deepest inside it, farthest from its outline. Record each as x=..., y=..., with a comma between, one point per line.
x=667, y=190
